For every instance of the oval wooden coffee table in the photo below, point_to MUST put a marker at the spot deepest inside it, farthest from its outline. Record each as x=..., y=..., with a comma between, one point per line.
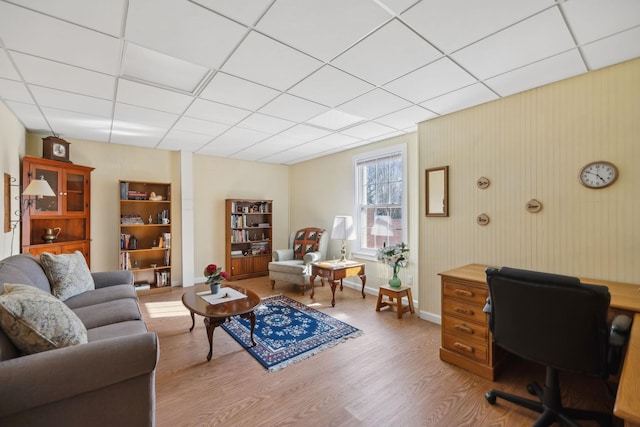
x=218, y=313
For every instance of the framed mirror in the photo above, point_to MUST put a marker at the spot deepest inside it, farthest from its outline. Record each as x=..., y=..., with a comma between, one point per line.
x=437, y=191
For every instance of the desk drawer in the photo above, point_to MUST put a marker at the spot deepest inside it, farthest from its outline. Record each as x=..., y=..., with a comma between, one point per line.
x=464, y=292
x=466, y=347
x=463, y=310
x=465, y=330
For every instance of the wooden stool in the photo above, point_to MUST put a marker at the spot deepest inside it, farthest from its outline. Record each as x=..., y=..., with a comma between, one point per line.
x=397, y=294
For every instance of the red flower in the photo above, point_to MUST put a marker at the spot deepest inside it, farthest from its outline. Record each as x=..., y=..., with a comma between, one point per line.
x=214, y=274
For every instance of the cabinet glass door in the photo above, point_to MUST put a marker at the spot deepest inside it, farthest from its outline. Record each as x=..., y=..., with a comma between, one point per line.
x=47, y=204
x=74, y=200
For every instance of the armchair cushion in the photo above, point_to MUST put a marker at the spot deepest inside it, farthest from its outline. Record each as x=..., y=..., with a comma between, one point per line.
x=306, y=240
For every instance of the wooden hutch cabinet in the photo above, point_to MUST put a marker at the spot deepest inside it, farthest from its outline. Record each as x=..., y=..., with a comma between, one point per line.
x=145, y=234
x=248, y=237
x=68, y=211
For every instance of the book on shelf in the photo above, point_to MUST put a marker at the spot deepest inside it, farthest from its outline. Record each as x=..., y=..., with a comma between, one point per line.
x=163, y=278
x=131, y=219
x=124, y=190
x=142, y=285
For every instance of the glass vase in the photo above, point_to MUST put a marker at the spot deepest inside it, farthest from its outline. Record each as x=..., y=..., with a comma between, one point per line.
x=395, y=282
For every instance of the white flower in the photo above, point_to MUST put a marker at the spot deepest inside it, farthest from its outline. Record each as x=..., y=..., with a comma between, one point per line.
x=395, y=256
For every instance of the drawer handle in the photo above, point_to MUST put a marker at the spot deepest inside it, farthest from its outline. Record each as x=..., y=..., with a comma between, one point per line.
x=464, y=329
x=463, y=347
x=463, y=293
x=463, y=311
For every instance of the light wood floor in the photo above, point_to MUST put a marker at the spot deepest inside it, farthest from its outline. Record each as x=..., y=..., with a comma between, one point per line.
x=389, y=376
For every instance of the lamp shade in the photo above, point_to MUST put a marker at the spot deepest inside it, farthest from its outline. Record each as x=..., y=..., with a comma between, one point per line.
x=38, y=187
x=343, y=228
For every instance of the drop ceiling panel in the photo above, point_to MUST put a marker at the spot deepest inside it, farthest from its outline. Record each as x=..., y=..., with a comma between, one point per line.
x=264, y=123
x=33, y=33
x=322, y=28
x=198, y=35
x=460, y=99
x=406, y=117
x=14, y=91
x=374, y=104
x=304, y=133
x=614, y=49
x=268, y=62
x=245, y=11
x=368, y=130
x=65, y=123
x=330, y=86
x=215, y=112
x=389, y=53
x=397, y=6
x=151, y=97
x=233, y=141
x=591, y=20
x=529, y=41
x=232, y=90
x=293, y=108
x=204, y=127
x=106, y=16
x=7, y=69
x=30, y=116
x=432, y=80
x=453, y=24
x=132, y=114
x=136, y=135
x=186, y=141
x=68, y=101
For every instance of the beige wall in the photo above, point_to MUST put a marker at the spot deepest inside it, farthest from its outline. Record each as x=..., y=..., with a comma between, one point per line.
x=533, y=145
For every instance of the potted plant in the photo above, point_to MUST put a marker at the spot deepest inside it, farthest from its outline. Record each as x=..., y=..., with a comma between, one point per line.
x=396, y=256
x=214, y=275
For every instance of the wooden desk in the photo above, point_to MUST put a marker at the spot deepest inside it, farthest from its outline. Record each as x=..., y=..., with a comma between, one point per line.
x=463, y=290
x=334, y=272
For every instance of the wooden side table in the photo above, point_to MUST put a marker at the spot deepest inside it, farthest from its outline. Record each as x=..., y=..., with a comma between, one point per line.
x=397, y=294
x=334, y=272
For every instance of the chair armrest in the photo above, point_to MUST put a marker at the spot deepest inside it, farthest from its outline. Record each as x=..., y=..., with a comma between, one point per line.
x=310, y=257
x=618, y=335
x=102, y=279
x=282, y=255
x=45, y=378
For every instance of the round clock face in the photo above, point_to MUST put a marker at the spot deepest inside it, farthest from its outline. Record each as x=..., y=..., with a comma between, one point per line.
x=59, y=150
x=598, y=174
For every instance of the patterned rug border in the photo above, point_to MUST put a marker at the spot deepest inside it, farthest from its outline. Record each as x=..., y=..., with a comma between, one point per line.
x=239, y=331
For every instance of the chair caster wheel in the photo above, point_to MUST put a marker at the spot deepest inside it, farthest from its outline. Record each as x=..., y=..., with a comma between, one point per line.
x=531, y=389
x=491, y=398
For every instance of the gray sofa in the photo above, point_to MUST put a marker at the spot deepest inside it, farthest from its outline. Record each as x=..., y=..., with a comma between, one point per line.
x=109, y=381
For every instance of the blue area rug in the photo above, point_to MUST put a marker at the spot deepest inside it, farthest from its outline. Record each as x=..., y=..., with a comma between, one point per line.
x=288, y=331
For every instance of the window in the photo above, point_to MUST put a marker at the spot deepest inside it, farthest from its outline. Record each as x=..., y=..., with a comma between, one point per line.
x=380, y=179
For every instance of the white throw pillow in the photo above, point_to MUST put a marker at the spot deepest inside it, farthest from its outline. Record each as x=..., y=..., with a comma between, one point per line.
x=68, y=274
x=36, y=321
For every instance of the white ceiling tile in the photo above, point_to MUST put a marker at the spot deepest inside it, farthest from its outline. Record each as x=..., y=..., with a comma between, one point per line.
x=158, y=68
x=614, y=49
x=204, y=127
x=390, y=52
x=367, y=130
x=132, y=114
x=335, y=140
x=304, y=133
x=397, y=6
x=11, y=90
x=106, y=16
x=232, y=90
x=268, y=62
x=68, y=101
x=293, y=108
x=36, y=34
x=139, y=136
x=264, y=123
x=453, y=24
x=392, y=134
x=7, y=70
x=233, y=141
x=330, y=86
x=432, y=80
x=151, y=97
x=374, y=104
x=529, y=41
x=594, y=19
x=214, y=112
x=64, y=77
x=78, y=125
x=182, y=29
x=460, y=99
x=178, y=140
x=322, y=28
x=334, y=120
x=244, y=11
x=556, y=68
x=406, y=117
x=281, y=142
x=29, y=115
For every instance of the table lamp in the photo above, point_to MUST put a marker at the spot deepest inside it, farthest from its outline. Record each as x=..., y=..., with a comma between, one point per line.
x=343, y=230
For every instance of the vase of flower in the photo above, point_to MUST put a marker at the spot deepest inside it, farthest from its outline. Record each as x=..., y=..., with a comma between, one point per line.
x=395, y=281
x=215, y=288
x=395, y=256
x=214, y=275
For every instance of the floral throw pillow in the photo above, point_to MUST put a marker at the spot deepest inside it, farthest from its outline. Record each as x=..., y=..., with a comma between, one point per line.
x=36, y=321
x=68, y=274
x=306, y=240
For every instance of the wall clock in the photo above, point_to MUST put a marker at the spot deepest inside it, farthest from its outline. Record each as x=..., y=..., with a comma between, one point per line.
x=598, y=174
x=55, y=149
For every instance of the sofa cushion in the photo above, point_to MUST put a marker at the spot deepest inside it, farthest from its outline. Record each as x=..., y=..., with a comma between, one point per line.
x=68, y=274
x=109, y=312
x=98, y=296
x=115, y=330
x=290, y=267
x=26, y=269
x=306, y=240
x=36, y=321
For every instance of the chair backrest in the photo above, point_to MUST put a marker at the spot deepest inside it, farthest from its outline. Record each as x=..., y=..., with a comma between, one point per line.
x=551, y=319
x=309, y=241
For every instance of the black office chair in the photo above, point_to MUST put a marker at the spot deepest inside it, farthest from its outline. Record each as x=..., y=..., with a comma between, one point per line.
x=558, y=322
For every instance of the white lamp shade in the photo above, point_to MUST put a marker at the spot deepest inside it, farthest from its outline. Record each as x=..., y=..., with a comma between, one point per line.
x=343, y=228
x=38, y=187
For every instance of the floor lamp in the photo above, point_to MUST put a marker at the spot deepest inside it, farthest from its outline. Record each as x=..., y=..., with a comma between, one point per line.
x=343, y=230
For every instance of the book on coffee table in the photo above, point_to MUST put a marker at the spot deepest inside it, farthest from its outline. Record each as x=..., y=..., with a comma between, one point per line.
x=224, y=295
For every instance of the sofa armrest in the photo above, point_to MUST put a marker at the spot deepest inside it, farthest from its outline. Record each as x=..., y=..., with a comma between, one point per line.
x=310, y=257
x=55, y=375
x=282, y=255
x=102, y=279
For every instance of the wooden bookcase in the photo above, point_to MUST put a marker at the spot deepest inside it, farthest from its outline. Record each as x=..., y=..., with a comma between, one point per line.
x=69, y=209
x=248, y=237
x=145, y=234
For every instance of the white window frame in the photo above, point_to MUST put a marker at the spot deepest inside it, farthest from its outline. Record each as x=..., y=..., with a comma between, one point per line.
x=357, y=249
